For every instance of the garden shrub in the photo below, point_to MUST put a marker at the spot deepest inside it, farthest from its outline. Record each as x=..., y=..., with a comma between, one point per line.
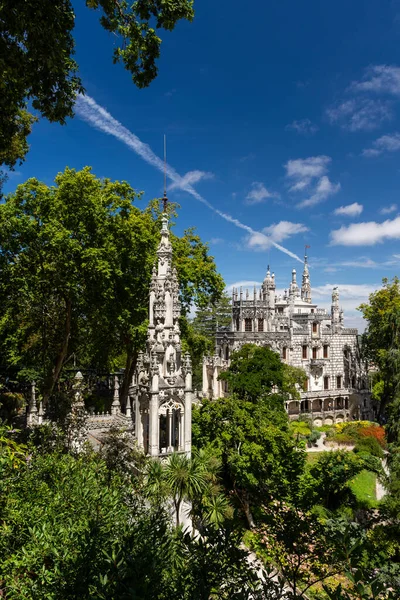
x=370, y=445
x=313, y=438
x=375, y=432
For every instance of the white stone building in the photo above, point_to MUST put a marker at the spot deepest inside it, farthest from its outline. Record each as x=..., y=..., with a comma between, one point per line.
x=305, y=336
x=158, y=414
x=161, y=389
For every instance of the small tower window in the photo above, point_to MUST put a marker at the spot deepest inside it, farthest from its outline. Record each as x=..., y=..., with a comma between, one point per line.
x=326, y=382
x=237, y=324
x=304, y=352
x=325, y=351
x=314, y=353
x=260, y=324
x=305, y=385
x=315, y=328
x=248, y=325
x=338, y=382
x=284, y=353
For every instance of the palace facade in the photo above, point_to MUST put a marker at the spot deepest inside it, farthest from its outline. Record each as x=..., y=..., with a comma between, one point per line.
x=305, y=336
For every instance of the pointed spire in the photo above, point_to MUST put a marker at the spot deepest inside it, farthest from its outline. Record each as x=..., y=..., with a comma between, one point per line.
x=305, y=284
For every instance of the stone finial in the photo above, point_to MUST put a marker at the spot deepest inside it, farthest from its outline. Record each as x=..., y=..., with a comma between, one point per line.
x=116, y=405
x=128, y=407
x=40, y=413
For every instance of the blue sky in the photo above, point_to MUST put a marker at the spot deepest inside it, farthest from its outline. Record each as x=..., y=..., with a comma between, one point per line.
x=283, y=129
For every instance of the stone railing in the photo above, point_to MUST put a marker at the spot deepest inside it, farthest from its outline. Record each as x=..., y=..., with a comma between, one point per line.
x=326, y=394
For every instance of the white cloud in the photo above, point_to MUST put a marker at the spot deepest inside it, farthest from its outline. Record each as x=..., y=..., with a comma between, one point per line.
x=366, y=234
x=215, y=241
x=274, y=233
x=310, y=174
x=350, y=297
x=361, y=263
x=346, y=290
x=379, y=78
x=284, y=229
x=386, y=143
x=351, y=210
x=303, y=127
x=386, y=210
x=259, y=193
x=324, y=189
x=191, y=178
x=360, y=114
x=99, y=118
x=302, y=171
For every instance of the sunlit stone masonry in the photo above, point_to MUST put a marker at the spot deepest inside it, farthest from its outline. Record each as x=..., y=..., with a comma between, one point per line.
x=162, y=386
x=305, y=336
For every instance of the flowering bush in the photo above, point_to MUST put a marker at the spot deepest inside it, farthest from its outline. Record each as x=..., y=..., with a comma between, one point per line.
x=374, y=431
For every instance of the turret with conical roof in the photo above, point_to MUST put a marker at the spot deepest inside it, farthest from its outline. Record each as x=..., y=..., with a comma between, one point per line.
x=268, y=289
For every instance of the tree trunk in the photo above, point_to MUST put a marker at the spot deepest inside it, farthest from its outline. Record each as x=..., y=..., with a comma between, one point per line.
x=177, y=510
x=52, y=379
x=130, y=366
x=247, y=512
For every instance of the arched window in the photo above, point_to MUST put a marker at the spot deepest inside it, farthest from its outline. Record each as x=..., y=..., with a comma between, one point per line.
x=248, y=325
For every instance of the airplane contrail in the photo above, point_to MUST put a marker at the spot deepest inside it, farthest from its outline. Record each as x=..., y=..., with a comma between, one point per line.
x=98, y=117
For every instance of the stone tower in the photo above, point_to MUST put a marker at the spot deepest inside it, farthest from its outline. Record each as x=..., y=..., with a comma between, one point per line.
x=306, y=284
x=163, y=379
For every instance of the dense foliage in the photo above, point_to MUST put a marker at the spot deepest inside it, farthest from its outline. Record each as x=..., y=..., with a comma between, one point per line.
x=381, y=341
x=37, y=64
x=75, y=265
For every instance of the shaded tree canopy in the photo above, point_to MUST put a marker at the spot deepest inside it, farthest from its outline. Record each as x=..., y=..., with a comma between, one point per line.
x=37, y=65
x=256, y=370
x=75, y=267
x=249, y=430
x=381, y=340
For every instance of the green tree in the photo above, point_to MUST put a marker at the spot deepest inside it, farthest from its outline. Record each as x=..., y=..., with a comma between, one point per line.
x=207, y=320
x=249, y=430
x=258, y=454
x=75, y=262
x=381, y=340
x=327, y=480
x=37, y=64
x=254, y=371
x=68, y=253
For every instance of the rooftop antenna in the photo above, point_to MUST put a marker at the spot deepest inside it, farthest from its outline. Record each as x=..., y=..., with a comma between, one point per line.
x=165, y=199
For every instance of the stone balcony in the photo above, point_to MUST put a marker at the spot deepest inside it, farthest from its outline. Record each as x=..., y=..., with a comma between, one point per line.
x=317, y=362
